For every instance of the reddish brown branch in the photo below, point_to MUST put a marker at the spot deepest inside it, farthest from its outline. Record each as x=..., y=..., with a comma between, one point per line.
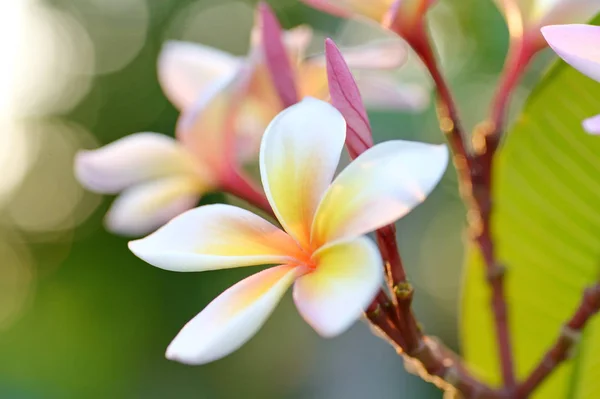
x=474, y=172
x=426, y=357
x=568, y=338
x=402, y=291
x=519, y=56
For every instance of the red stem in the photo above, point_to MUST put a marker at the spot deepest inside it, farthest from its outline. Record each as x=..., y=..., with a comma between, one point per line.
x=475, y=181
x=429, y=359
x=519, y=56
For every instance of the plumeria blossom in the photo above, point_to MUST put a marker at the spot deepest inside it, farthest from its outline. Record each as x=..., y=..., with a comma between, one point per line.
x=526, y=17
x=579, y=45
x=186, y=69
x=156, y=176
x=159, y=177
x=321, y=249
x=226, y=103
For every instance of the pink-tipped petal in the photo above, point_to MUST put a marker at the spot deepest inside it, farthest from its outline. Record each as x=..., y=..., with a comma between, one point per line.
x=345, y=96
x=232, y=318
x=215, y=237
x=145, y=207
x=592, y=125
x=298, y=157
x=186, y=70
x=377, y=188
x=347, y=277
x=131, y=160
x=276, y=56
x=579, y=45
x=206, y=128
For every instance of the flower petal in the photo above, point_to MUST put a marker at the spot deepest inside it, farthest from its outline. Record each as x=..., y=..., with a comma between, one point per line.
x=346, y=97
x=276, y=56
x=297, y=40
x=374, y=9
x=592, y=125
x=526, y=17
x=131, y=160
x=377, y=188
x=232, y=318
x=143, y=208
x=215, y=237
x=385, y=92
x=298, y=157
x=379, y=54
x=579, y=45
x=347, y=277
x=185, y=70
x=208, y=127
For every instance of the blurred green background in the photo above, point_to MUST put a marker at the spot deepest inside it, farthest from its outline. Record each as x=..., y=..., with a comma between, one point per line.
x=80, y=316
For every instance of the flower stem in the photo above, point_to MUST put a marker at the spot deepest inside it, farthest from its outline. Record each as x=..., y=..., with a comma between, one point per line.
x=475, y=185
x=519, y=56
x=429, y=359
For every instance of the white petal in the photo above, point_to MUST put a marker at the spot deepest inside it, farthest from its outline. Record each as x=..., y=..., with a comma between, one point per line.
x=298, y=157
x=185, y=70
x=130, y=160
x=347, y=277
x=379, y=187
x=232, y=318
x=592, y=125
x=579, y=45
x=215, y=237
x=143, y=208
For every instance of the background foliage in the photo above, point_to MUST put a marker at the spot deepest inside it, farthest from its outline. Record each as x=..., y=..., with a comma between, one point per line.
x=81, y=317
x=546, y=226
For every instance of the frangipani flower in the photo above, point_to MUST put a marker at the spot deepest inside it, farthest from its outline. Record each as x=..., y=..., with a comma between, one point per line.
x=157, y=176
x=185, y=69
x=160, y=177
x=526, y=17
x=579, y=45
x=322, y=250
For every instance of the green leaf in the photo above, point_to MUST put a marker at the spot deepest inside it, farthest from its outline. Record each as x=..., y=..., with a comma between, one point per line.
x=546, y=225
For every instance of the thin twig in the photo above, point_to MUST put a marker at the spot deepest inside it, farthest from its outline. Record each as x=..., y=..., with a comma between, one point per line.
x=562, y=348
x=520, y=53
x=427, y=358
x=475, y=184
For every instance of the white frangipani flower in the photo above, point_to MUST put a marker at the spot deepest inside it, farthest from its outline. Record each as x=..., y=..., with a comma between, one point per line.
x=322, y=249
